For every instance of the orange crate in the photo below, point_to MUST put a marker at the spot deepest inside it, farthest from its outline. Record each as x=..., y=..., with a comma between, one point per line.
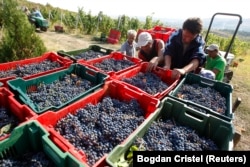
x=112, y=89
x=113, y=55
x=22, y=113
x=164, y=75
x=4, y=67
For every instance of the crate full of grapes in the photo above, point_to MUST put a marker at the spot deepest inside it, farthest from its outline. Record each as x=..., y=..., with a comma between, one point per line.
x=56, y=90
x=33, y=67
x=114, y=64
x=12, y=113
x=92, y=52
x=30, y=145
x=157, y=83
x=205, y=95
x=175, y=127
x=91, y=127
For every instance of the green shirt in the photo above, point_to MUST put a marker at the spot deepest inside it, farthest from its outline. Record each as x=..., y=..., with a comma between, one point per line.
x=218, y=63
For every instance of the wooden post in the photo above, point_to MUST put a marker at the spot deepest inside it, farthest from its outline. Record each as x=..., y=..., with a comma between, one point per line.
x=236, y=104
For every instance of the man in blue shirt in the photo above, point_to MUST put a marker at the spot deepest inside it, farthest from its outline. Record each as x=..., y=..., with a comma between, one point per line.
x=36, y=13
x=130, y=46
x=184, y=51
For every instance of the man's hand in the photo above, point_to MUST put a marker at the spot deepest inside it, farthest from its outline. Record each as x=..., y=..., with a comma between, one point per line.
x=152, y=64
x=177, y=72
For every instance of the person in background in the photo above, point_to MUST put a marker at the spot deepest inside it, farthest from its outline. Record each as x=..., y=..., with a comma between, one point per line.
x=184, y=51
x=215, y=62
x=151, y=50
x=130, y=46
x=36, y=12
x=27, y=11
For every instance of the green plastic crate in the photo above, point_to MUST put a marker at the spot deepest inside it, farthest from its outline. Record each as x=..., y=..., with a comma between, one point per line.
x=20, y=86
x=73, y=53
x=32, y=137
x=223, y=88
x=220, y=131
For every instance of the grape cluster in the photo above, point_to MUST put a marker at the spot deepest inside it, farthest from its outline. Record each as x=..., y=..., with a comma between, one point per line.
x=205, y=96
x=30, y=69
x=90, y=54
x=59, y=91
x=148, y=82
x=30, y=159
x=167, y=136
x=97, y=129
x=112, y=64
x=6, y=118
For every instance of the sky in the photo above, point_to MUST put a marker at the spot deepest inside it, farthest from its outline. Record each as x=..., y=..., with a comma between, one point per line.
x=176, y=9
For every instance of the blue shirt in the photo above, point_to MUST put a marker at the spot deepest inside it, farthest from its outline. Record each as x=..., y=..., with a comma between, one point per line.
x=37, y=13
x=175, y=48
x=129, y=49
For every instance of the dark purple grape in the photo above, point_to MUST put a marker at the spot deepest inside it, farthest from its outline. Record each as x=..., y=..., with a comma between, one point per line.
x=97, y=129
x=30, y=69
x=148, y=82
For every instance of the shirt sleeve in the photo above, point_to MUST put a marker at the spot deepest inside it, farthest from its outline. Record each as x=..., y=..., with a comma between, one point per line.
x=170, y=45
x=220, y=65
x=199, y=51
x=123, y=48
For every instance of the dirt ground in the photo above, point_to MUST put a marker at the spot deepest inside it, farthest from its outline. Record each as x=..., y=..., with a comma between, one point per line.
x=62, y=41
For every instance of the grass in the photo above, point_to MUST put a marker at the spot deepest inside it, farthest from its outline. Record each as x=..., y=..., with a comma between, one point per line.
x=241, y=84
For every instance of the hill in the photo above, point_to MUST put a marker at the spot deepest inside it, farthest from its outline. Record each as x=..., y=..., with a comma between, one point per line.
x=221, y=26
x=218, y=23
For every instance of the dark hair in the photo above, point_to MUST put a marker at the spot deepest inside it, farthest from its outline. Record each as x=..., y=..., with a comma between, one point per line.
x=193, y=25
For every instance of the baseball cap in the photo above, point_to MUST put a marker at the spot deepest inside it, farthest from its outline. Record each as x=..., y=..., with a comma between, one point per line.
x=213, y=47
x=143, y=39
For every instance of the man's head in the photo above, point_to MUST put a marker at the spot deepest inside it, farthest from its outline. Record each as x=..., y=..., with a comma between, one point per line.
x=212, y=50
x=144, y=41
x=191, y=28
x=131, y=36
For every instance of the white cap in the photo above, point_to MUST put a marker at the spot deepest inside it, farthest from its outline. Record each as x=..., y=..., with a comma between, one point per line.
x=144, y=38
x=213, y=47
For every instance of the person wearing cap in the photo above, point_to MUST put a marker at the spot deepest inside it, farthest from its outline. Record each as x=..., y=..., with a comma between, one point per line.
x=215, y=62
x=184, y=51
x=130, y=46
x=151, y=50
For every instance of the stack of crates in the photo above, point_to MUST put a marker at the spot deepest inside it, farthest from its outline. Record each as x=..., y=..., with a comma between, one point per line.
x=39, y=125
x=159, y=32
x=114, y=36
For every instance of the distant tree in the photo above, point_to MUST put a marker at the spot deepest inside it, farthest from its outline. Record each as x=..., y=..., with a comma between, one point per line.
x=19, y=40
x=149, y=22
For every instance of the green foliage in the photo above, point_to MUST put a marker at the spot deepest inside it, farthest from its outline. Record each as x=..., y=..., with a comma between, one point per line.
x=19, y=39
x=239, y=47
x=70, y=20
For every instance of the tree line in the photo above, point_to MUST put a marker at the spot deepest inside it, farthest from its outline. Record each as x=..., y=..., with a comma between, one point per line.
x=90, y=24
